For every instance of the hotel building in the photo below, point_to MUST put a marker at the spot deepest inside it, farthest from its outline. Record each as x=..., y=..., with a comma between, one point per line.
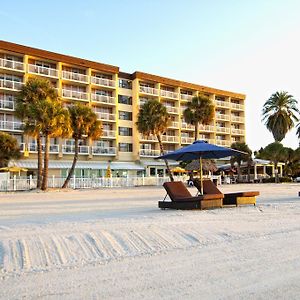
x=115, y=97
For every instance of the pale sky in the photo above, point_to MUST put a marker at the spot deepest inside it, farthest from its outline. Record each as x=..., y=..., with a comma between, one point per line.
x=249, y=46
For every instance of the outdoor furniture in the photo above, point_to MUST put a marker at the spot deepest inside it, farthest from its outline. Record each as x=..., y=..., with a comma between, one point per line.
x=236, y=198
x=182, y=198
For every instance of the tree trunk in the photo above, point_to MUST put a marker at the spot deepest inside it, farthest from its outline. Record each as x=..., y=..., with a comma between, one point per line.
x=46, y=163
x=162, y=153
x=40, y=162
x=196, y=131
x=276, y=172
x=75, y=158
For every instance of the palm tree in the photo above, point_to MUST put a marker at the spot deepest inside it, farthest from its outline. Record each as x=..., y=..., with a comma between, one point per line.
x=199, y=111
x=52, y=120
x=280, y=113
x=32, y=92
x=153, y=118
x=247, y=157
x=84, y=124
x=9, y=149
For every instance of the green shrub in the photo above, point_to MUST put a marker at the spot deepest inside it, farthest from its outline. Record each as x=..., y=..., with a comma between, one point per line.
x=272, y=179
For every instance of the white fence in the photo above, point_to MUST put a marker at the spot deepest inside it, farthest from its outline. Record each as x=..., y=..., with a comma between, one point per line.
x=25, y=184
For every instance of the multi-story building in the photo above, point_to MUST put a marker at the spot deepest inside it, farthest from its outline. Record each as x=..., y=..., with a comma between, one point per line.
x=116, y=98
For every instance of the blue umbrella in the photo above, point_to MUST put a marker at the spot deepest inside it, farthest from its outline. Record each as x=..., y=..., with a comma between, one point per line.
x=198, y=150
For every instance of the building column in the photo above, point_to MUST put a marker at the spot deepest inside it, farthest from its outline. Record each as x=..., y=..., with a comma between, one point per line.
x=255, y=172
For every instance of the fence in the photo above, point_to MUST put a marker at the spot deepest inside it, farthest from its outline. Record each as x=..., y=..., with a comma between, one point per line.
x=25, y=184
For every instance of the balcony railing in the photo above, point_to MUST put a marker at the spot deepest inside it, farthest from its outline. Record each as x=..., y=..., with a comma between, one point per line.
x=103, y=82
x=74, y=94
x=237, y=106
x=74, y=76
x=223, y=129
x=222, y=103
x=237, y=119
x=70, y=149
x=223, y=117
x=109, y=151
x=149, y=90
x=151, y=138
x=237, y=131
x=169, y=138
x=105, y=116
x=172, y=109
x=186, y=97
x=10, y=64
x=42, y=71
x=53, y=148
x=7, y=104
x=168, y=94
x=207, y=128
x=103, y=99
x=11, y=125
x=185, y=125
x=149, y=152
x=109, y=133
x=223, y=143
x=187, y=140
x=9, y=84
x=174, y=124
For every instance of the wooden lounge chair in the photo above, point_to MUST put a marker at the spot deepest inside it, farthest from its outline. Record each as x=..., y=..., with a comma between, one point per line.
x=236, y=198
x=182, y=198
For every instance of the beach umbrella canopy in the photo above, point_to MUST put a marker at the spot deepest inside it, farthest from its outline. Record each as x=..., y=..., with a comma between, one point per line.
x=199, y=150
x=13, y=169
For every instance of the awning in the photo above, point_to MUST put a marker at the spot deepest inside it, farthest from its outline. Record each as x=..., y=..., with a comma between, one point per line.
x=32, y=164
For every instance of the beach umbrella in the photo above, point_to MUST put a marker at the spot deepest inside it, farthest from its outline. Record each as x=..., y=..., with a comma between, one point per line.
x=199, y=150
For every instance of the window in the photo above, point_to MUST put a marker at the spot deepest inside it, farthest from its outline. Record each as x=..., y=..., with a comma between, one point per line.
x=125, y=115
x=125, y=131
x=125, y=100
x=125, y=84
x=125, y=147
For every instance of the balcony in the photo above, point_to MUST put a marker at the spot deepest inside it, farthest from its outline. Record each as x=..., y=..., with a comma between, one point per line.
x=149, y=90
x=11, y=65
x=70, y=149
x=103, y=116
x=169, y=139
x=103, y=99
x=223, y=143
x=32, y=147
x=149, y=153
x=174, y=124
x=222, y=103
x=103, y=82
x=108, y=133
x=7, y=105
x=75, y=95
x=237, y=106
x=11, y=126
x=168, y=94
x=223, y=117
x=150, y=138
x=223, y=129
x=187, y=126
x=172, y=109
x=11, y=85
x=207, y=128
x=108, y=151
x=237, y=119
x=237, y=131
x=74, y=76
x=187, y=140
x=186, y=97
x=50, y=72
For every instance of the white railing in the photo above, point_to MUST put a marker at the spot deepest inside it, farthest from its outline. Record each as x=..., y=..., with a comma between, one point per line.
x=7, y=104
x=206, y=128
x=222, y=117
x=223, y=129
x=105, y=116
x=237, y=131
x=74, y=94
x=185, y=125
x=186, y=97
x=12, y=85
x=74, y=76
x=237, y=106
x=169, y=94
x=237, y=119
x=22, y=184
x=223, y=143
x=149, y=153
x=103, y=99
x=174, y=124
x=172, y=109
x=108, y=133
x=149, y=90
x=103, y=81
x=222, y=103
x=169, y=138
x=32, y=147
x=70, y=149
x=10, y=125
x=96, y=150
x=187, y=140
x=42, y=71
x=151, y=137
x=10, y=64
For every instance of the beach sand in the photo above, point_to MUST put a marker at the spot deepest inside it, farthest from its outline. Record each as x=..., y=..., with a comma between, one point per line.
x=116, y=244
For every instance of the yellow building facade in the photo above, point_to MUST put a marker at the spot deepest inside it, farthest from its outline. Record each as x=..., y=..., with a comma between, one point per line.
x=115, y=97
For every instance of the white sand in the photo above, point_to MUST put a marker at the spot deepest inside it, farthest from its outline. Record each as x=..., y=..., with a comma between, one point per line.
x=116, y=244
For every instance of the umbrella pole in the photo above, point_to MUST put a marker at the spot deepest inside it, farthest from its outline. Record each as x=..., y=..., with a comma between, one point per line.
x=201, y=181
